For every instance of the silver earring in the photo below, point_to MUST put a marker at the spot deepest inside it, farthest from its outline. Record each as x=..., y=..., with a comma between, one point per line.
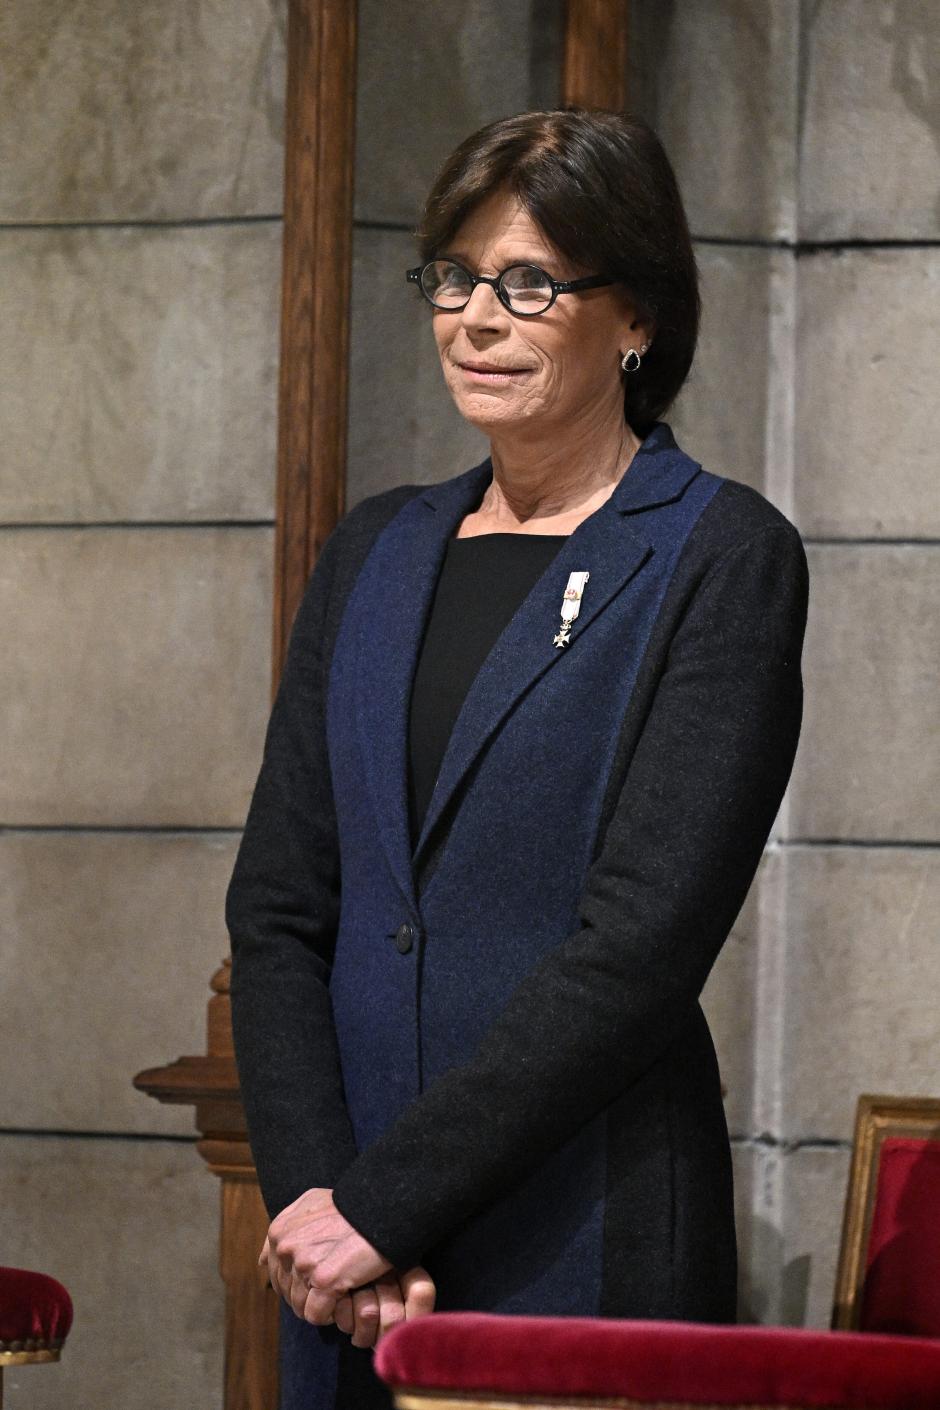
x=627, y=364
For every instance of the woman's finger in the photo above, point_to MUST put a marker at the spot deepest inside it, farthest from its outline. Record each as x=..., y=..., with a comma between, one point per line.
x=276, y=1272
x=343, y=1314
x=320, y=1306
x=281, y=1275
x=268, y=1262
x=366, y=1312
x=297, y=1294
x=418, y=1291
x=391, y=1303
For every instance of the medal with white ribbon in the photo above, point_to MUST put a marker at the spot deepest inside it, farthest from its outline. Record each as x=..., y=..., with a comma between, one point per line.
x=571, y=606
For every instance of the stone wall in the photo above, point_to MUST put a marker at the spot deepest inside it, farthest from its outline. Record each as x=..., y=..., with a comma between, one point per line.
x=140, y=198
x=141, y=163
x=805, y=137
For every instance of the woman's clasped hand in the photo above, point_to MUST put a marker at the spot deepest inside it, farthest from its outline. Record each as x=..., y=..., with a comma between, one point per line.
x=326, y=1272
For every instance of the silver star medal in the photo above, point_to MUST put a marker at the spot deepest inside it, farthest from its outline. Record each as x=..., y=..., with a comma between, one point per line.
x=570, y=606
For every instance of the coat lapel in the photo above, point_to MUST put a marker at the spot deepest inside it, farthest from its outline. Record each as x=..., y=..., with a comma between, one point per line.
x=401, y=577
x=394, y=594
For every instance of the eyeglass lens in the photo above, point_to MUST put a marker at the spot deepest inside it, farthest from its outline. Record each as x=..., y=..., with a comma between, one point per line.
x=526, y=288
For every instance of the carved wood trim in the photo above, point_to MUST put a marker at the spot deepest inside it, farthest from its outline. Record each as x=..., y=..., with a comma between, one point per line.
x=594, y=53
x=191, y=1079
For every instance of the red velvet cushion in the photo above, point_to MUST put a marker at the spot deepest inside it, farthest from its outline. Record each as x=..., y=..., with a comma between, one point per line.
x=902, y=1280
x=34, y=1308
x=660, y=1361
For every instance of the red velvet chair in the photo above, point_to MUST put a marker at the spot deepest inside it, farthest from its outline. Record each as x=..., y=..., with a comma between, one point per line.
x=888, y=1294
x=35, y=1318
x=888, y=1278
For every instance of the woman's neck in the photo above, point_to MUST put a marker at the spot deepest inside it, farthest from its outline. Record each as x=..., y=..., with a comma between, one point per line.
x=552, y=486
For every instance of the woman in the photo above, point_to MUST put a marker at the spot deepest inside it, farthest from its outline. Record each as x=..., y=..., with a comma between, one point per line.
x=534, y=728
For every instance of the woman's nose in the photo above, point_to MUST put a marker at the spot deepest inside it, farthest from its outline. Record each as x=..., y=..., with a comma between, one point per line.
x=483, y=308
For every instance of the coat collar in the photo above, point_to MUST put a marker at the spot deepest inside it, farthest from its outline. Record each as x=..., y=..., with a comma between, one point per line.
x=395, y=594
x=659, y=472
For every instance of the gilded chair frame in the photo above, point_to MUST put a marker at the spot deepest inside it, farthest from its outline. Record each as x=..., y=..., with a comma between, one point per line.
x=876, y=1119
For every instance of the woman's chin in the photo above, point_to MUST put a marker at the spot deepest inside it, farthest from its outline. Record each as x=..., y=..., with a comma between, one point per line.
x=488, y=411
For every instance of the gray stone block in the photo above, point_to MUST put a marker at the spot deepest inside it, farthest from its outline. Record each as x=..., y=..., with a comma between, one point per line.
x=814, y=1185
x=867, y=412
x=789, y=1221
x=867, y=762
x=726, y=415
x=871, y=121
x=138, y=670
x=109, y=942
x=429, y=75
x=138, y=373
x=131, y=1229
x=112, y=111
x=718, y=81
x=859, y=1003
x=757, y=1198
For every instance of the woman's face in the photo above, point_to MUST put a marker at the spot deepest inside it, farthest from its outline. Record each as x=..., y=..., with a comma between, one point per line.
x=559, y=368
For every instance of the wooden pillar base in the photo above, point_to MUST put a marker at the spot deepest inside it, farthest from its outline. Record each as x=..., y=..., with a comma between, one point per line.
x=252, y=1311
x=252, y=1308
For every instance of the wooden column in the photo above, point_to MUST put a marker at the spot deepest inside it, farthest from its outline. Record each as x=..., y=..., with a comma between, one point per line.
x=594, y=54
x=316, y=285
x=311, y=478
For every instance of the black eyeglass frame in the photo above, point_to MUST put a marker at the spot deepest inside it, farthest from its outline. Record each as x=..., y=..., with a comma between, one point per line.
x=558, y=286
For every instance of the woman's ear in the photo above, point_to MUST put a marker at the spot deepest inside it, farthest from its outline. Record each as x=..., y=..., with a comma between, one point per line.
x=644, y=328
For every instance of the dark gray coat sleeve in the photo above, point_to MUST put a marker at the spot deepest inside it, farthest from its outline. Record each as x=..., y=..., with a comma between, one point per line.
x=679, y=854
x=282, y=904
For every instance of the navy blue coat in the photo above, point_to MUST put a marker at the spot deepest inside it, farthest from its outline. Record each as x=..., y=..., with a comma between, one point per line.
x=492, y=1049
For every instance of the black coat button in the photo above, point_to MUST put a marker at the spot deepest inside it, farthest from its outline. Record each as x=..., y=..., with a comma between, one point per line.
x=404, y=937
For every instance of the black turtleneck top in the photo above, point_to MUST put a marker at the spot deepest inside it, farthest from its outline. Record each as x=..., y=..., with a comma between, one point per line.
x=483, y=581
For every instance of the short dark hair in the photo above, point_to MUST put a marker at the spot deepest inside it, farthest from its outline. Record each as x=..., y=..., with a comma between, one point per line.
x=600, y=186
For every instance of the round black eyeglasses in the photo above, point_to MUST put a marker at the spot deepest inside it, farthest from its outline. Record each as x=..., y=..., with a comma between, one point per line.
x=525, y=289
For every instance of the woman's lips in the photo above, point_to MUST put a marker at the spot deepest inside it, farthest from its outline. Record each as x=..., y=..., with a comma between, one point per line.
x=490, y=372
